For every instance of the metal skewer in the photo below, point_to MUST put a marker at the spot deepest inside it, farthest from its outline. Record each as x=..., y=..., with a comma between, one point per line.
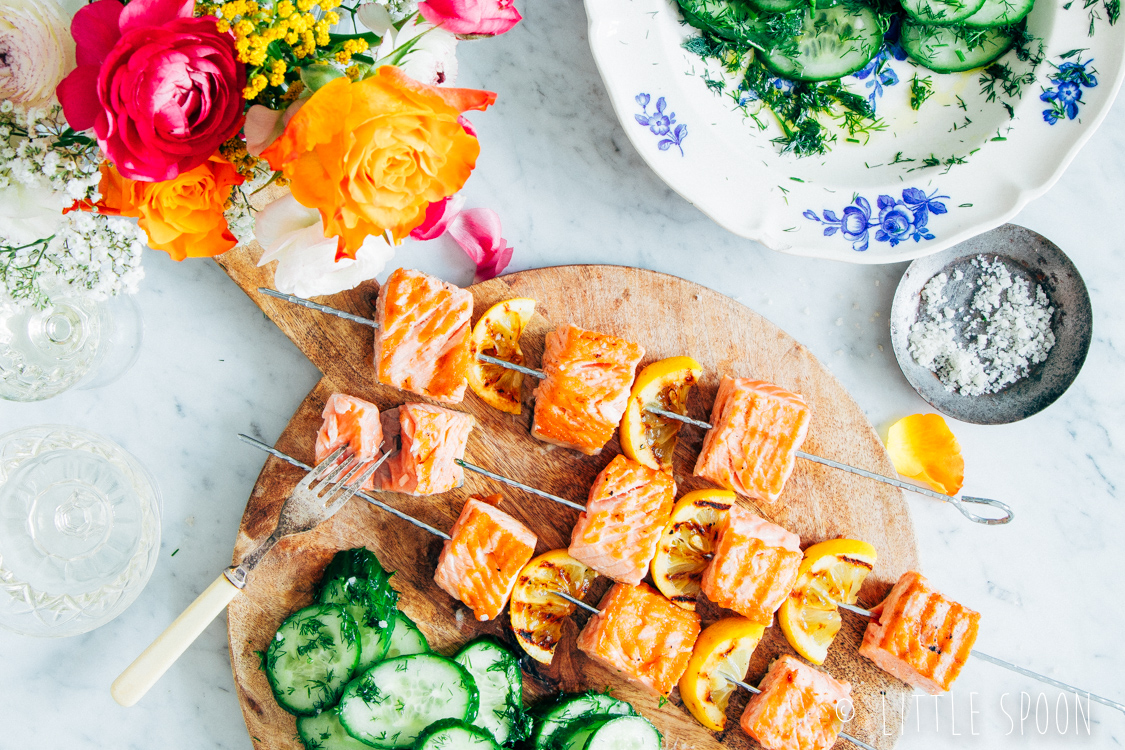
x=377, y=503
x=740, y=683
x=1008, y=665
x=517, y=485
x=957, y=502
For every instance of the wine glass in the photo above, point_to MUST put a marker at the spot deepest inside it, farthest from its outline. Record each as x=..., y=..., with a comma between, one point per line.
x=76, y=342
x=79, y=530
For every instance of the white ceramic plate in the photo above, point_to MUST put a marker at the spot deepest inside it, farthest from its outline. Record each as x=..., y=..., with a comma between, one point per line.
x=856, y=203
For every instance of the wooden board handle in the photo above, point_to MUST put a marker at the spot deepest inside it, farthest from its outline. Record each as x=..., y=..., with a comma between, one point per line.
x=131, y=685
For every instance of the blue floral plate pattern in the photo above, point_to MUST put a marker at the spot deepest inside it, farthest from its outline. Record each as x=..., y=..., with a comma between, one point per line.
x=971, y=155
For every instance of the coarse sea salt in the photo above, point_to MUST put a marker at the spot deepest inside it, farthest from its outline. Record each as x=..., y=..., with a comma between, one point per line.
x=1004, y=333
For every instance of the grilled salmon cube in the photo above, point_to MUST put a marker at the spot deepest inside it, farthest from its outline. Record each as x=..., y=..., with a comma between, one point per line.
x=626, y=512
x=588, y=376
x=798, y=708
x=920, y=636
x=757, y=429
x=422, y=342
x=433, y=438
x=754, y=567
x=642, y=635
x=350, y=421
x=479, y=565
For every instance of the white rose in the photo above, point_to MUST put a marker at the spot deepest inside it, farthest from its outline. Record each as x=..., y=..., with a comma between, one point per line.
x=36, y=50
x=293, y=235
x=433, y=57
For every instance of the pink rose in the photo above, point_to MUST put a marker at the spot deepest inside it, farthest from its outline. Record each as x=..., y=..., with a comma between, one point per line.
x=471, y=17
x=160, y=88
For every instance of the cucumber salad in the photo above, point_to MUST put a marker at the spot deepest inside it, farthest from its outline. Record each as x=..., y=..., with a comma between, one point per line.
x=358, y=673
x=792, y=56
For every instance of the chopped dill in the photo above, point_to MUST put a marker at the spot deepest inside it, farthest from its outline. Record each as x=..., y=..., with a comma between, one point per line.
x=921, y=89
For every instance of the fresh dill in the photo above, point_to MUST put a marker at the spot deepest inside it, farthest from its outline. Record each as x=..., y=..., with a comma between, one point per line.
x=921, y=89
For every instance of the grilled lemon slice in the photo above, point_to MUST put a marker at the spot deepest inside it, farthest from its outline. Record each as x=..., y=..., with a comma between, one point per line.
x=685, y=548
x=832, y=571
x=497, y=334
x=537, y=614
x=645, y=437
x=722, y=651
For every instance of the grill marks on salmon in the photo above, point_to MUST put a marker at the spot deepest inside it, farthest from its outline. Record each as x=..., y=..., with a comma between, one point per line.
x=757, y=430
x=422, y=342
x=432, y=439
x=754, y=567
x=583, y=396
x=480, y=564
x=797, y=708
x=627, y=510
x=353, y=422
x=920, y=636
x=641, y=634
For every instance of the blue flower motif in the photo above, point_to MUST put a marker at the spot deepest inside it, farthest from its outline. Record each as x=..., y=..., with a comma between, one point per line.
x=897, y=220
x=878, y=72
x=1066, y=96
x=661, y=123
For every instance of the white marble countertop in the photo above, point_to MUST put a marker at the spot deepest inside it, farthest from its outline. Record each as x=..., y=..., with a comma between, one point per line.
x=570, y=189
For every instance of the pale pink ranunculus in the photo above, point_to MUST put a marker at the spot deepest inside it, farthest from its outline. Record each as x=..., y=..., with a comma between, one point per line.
x=36, y=50
x=471, y=17
x=160, y=88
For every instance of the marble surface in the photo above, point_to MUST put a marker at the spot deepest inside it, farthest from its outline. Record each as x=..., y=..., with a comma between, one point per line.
x=570, y=189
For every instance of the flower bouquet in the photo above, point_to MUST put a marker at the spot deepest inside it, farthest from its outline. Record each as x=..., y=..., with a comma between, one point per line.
x=169, y=123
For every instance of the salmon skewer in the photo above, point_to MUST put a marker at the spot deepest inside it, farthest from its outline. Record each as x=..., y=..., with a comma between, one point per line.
x=919, y=636
x=625, y=514
x=422, y=342
x=354, y=422
x=797, y=707
x=586, y=381
x=758, y=429
x=642, y=635
x=480, y=564
x=958, y=502
x=433, y=442
x=754, y=566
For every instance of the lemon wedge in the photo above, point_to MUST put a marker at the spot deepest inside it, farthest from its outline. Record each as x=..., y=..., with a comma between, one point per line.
x=647, y=438
x=537, y=615
x=497, y=334
x=687, y=543
x=722, y=651
x=832, y=571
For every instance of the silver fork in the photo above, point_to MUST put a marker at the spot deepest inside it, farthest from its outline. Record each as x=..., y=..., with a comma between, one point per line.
x=315, y=499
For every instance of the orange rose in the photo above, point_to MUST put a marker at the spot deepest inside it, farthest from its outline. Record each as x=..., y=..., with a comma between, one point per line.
x=182, y=216
x=371, y=155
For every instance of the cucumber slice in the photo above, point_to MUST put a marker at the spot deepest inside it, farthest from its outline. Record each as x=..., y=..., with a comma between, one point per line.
x=946, y=50
x=729, y=19
x=570, y=711
x=777, y=6
x=391, y=703
x=625, y=733
x=834, y=42
x=940, y=12
x=498, y=678
x=576, y=738
x=455, y=735
x=325, y=732
x=406, y=638
x=999, y=13
x=357, y=582
x=311, y=658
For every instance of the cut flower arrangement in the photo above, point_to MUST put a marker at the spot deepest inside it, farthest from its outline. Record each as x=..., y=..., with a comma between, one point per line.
x=162, y=122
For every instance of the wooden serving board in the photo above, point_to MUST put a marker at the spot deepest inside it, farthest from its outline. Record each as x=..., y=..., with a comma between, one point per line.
x=668, y=316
